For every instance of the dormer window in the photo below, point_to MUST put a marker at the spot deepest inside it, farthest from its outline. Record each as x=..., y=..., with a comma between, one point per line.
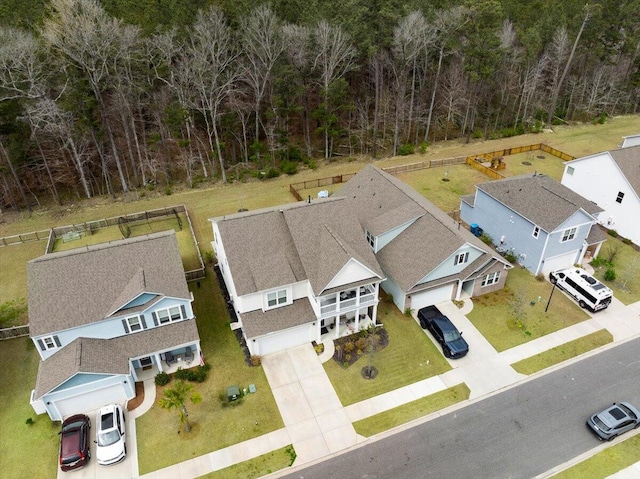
x=371, y=239
x=49, y=342
x=133, y=324
x=461, y=258
x=619, y=197
x=277, y=298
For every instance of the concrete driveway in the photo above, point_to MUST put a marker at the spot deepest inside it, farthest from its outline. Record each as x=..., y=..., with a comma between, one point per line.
x=126, y=469
x=313, y=415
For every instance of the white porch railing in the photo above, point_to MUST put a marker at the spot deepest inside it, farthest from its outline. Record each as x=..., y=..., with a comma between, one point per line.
x=346, y=305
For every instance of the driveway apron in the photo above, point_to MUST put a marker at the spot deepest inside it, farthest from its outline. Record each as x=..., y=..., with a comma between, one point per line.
x=313, y=415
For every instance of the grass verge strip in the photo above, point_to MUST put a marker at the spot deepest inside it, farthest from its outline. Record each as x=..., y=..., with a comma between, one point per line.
x=258, y=466
x=410, y=411
x=605, y=463
x=563, y=352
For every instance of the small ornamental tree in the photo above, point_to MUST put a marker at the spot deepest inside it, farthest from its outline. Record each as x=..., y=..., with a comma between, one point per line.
x=176, y=398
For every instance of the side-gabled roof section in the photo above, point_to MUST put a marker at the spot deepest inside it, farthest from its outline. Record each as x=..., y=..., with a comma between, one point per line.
x=84, y=285
x=628, y=160
x=540, y=199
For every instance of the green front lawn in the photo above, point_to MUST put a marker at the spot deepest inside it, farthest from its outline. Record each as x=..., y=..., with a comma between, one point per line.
x=256, y=467
x=607, y=462
x=216, y=424
x=506, y=318
x=408, y=412
x=27, y=450
x=409, y=357
x=563, y=352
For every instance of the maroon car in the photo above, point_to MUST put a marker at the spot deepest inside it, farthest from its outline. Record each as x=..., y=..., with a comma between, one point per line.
x=75, y=448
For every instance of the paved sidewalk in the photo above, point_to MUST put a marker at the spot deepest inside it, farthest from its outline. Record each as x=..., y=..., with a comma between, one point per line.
x=318, y=425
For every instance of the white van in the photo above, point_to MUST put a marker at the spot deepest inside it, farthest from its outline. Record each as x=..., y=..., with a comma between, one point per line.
x=587, y=290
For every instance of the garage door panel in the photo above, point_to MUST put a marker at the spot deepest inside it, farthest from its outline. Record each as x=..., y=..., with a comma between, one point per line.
x=91, y=400
x=432, y=296
x=284, y=339
x=559, y=262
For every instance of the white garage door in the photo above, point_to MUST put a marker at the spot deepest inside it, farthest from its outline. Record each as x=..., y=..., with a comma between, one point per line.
x=91, y=400
x=558, y=262
x=282, y=340
x=432, y=296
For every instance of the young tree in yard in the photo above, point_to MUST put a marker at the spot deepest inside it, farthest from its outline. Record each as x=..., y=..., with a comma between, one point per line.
x=176, y=398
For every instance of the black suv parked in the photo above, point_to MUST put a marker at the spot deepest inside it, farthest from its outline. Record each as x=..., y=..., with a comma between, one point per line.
x=453, y=345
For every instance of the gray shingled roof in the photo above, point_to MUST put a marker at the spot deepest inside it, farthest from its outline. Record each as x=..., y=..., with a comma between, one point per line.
x=628, y=160
x=539, y=198
x=85, y=285
x=269, y=248
x=258, y=323
x=110, y=356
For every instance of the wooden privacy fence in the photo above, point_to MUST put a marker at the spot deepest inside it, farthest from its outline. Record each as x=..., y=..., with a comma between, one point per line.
x=14, y=332
x=422, y=165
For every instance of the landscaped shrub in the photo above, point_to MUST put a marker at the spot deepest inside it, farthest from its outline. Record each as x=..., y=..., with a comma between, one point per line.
x=313, y=165
x=361, y=343
x=256, y=360
x=196, y=375
x=486, y=239
x=510, y=257
x=289, y=167
x=406, y=149
x=613, y=233
x=598, y=261
x=349, y=347
x=423, y=147
x=162, y=379
x=626, y=241
x=610, y=274
x=271, y=173
x=540, y=277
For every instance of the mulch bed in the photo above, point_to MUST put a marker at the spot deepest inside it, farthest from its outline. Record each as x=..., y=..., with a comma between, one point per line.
x=346, y=359
x=136, y=401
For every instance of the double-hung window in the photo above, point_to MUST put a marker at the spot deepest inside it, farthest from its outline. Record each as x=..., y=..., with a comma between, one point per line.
x=491, y=278
x=371, y=239
x=461, y=258
x=619, y=197
x=568, y=234
x=134, y=323
x=174, y=313
x=49, y=342
x=276, y=298
x=536, y=231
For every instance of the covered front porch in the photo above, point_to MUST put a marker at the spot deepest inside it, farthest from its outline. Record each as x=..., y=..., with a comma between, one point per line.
x=346, y=324
x=169, y=361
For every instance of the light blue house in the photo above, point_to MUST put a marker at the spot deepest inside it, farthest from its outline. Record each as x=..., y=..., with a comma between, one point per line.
x=544, y=224
x=105, y=316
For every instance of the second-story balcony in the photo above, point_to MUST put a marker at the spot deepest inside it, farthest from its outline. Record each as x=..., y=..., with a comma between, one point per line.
x=347, y=300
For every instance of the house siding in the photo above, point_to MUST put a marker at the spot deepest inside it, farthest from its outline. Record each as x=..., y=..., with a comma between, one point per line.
x=392, y=289
x=514, y=233
x=479, y=290
x=599, y=179
x=387, y=237
x=448, y=268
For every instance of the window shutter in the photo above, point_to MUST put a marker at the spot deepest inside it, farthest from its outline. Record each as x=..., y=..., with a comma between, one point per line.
x=125, y=326
x=142, y=320
x=184, y=311
x=155, y=318
x=56, y=340
x=41, y=344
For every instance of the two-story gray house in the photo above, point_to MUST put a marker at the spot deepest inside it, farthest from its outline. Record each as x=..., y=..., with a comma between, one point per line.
x=305, y=271
x=102, y=317
x=544, y=224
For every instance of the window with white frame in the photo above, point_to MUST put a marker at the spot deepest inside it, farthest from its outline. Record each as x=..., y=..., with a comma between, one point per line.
x=568, y=234
x=276, y=298
x=491, y=278
x=570, y=170
x=134, y=323
x=49, y=342
x=461, y=258
x=536, y=231
x=371, y=239
x=168, y=315
x=620, y=197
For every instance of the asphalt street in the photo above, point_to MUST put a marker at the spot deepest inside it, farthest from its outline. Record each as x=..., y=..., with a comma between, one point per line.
x=518, y=433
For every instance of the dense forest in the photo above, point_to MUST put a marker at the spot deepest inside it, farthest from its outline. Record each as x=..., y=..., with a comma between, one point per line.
x=104, y=97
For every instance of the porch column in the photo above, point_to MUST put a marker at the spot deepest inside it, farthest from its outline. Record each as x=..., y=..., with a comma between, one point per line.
x=337, y=322
x=318, y=330
x=458, y=290
x=158, y=359
x=357, y=319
